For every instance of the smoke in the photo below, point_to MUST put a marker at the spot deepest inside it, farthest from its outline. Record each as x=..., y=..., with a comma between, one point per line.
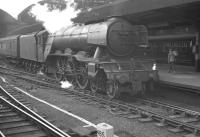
x=55, y=20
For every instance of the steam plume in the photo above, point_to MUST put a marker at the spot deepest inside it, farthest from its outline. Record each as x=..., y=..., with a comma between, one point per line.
x=66, y=84
x=55, y=20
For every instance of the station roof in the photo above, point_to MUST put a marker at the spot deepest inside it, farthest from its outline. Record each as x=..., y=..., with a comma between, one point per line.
x=25, y=29
x=7, y=22
x=11, y=26
x=145, y=11
x=6, y=18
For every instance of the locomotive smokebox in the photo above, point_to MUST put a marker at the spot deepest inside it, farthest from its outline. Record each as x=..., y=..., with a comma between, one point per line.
x=117, y=35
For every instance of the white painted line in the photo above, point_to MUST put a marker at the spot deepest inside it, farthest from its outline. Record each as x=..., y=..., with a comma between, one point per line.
x=55, y=107
x=87, y=126
x=3, y=79
x=2, y=135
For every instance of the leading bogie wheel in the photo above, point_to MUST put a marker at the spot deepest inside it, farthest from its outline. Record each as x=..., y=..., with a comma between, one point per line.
x=59, y=71
x=69, y=72
x=58, y=75
x=113, y=90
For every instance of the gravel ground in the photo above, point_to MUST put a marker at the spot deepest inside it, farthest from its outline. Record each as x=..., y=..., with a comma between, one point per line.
x=123, y=127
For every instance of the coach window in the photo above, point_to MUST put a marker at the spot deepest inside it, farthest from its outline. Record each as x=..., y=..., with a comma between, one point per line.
x=39, y=40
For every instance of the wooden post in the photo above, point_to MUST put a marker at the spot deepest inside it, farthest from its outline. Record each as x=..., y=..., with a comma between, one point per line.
x=197, y=54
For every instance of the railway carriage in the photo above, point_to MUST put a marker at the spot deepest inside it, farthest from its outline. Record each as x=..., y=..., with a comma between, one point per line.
x=9, y=46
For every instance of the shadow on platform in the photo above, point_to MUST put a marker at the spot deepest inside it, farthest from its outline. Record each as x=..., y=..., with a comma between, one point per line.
x=185, y=76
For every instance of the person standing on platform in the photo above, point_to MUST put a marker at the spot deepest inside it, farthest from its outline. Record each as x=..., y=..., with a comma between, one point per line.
x=171, y=60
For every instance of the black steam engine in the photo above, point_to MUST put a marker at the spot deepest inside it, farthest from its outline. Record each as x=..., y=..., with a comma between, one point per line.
x=96, y=56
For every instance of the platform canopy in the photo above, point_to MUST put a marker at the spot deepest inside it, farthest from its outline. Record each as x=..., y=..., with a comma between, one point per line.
x=6, y=18
x=7, y=22
x=145, y=11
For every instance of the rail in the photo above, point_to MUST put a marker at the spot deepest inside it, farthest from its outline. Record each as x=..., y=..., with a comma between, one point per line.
x=30, y=114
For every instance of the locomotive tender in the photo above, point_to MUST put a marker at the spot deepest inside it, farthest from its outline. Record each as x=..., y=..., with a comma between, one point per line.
x=98, y=56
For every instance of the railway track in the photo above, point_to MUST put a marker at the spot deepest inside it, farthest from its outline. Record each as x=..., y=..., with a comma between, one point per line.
x=17, y=73
x=176, y=119
x=13, y=71
x=16, y=120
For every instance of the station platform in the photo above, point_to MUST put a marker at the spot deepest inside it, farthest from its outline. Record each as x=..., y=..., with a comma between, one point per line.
x=184, y=77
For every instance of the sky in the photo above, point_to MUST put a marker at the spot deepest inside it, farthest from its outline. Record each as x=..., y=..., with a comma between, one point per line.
x=14, y=7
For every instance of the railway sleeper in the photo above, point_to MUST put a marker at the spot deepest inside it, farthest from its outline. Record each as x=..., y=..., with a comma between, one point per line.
x=8, y=114
x=190, y=135
x=193, y=134
x=10, y=125
x=176, y=129
x=182, y=115
x=16, y=119
x=146, y=119
x=20, y=130
x=133, y=116
x=162, y=123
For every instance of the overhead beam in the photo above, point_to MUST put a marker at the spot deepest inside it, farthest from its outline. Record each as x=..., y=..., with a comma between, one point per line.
x=129, y=7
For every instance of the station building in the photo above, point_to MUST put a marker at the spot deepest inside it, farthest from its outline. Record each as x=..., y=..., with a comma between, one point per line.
x=172, y=24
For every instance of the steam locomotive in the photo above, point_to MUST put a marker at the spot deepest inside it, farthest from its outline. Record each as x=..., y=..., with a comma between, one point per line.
x=97, y=56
